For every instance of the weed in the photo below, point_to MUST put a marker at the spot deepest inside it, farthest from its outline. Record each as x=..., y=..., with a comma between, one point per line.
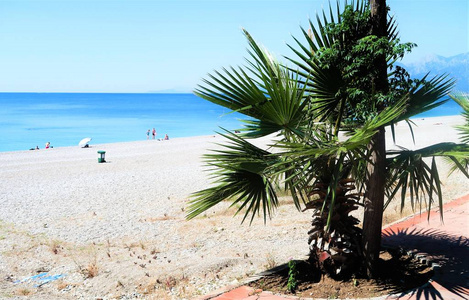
x=108, y=248
x=61, y=285
x=55, y=246
x=170, y=282
x=261, y=284
x=24, y=292
x=271, y=263
x=197, y=245
x=292, y=275
x=148, y=288
x=128, y=247
x=91, y=270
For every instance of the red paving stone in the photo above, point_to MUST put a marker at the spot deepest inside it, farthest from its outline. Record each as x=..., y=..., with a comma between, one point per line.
x=248, y=293
x=446, y=244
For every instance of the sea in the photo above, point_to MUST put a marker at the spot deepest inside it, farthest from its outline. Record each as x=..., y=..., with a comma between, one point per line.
x=28, y=120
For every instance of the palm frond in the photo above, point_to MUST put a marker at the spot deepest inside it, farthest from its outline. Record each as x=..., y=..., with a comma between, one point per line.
x=409, y=171
x=320, y=154
x=427, y=95
x=463, y=101
x=324, y=83
x=320, y=142
x=239, y=173
x=263, y=90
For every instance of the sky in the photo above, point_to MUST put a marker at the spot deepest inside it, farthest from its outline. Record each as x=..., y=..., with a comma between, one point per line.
x=134, y=46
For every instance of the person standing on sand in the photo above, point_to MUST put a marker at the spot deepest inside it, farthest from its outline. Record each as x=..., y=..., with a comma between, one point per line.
x=153, y=133
x=148, y=134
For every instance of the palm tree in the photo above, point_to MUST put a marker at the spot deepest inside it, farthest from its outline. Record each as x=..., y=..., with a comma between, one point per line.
x=321, y=142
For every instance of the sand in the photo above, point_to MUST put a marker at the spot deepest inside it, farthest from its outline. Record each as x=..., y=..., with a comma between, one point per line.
x=118, y=229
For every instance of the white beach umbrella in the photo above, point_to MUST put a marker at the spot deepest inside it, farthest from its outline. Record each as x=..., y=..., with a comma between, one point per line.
x=84, y=142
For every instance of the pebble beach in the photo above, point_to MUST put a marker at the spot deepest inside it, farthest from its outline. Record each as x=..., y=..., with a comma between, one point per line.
x=117, y=230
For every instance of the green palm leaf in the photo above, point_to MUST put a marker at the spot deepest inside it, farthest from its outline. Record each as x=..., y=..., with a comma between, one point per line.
x=426, y=95
x=409, y=169
x=324, y=144
x=265, y=91
x=240, y=173
x=463, y=101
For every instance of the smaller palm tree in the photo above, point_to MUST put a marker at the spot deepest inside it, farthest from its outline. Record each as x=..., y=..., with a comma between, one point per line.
x=335, y=247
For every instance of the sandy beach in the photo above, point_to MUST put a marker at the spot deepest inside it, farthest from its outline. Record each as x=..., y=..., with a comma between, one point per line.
x=117, y=230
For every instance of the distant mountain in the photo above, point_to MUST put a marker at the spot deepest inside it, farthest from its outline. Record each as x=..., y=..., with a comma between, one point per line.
x=456, y=66
x=176, y=90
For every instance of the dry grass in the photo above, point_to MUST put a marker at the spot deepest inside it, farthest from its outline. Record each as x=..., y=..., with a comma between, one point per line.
x=148, y=288
x=140, y=244
x=91, y=270
x=24, y=292
x=62, y=285
x=55, y=246
x=167, y=287
x=170, y=282
x=170, y=286
x=270, y=261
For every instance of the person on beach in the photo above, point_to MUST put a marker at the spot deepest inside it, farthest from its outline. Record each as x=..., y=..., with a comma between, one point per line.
x=47, y=145
x=153, y=133
x=148, y=134
x=166, y=137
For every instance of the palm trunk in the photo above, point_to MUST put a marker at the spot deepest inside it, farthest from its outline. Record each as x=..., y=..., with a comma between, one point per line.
x=374, y=199
x=374, y=195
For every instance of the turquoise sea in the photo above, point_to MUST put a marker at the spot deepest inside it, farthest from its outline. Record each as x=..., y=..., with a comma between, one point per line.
x=31, y=119
x=28, y=120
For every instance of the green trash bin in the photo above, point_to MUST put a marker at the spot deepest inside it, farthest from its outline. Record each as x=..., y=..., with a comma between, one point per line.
x=101, y=156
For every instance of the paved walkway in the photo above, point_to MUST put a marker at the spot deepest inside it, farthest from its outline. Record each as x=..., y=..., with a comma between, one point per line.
x=444, y=244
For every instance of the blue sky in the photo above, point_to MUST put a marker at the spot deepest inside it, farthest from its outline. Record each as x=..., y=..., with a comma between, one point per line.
x=140, y=46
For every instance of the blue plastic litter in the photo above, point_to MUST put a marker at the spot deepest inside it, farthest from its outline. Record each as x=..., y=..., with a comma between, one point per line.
x=31, y=278
x=41, y=278
x=48, y=279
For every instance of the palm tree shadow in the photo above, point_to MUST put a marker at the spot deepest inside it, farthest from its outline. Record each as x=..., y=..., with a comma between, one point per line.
x=449, y=251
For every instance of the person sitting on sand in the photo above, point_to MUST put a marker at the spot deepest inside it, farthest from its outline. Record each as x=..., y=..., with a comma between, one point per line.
x=47, y=145
x=166, y=137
